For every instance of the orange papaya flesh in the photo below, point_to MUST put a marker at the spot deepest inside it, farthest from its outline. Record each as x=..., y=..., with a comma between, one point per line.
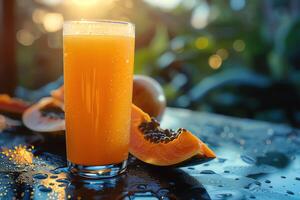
x=163, y=147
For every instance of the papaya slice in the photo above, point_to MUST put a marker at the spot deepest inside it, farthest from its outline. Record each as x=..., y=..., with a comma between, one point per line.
x=163, y=147
x=12, y=105
x=45, y=116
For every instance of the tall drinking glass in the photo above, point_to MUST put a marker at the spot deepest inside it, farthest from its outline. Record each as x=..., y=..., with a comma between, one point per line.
x=98, y=73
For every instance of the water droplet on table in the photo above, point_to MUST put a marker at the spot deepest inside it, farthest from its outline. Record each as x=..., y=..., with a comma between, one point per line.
x=248, y=159
x=224, y=195
x=43, y=188
x=257, y=183
x=40, y=176
x=290, y=192
x=267, y=181
x=62, y=180
x=163, y=192
x=172, y=183
x=53, y=177
x=207, y=172
x=221, y=160
x=62, y=185
x=142, y=186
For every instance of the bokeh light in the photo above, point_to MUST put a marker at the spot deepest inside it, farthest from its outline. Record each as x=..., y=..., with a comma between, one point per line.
x=177, y=44
x=189, y=4
x=237, y=4
x=128, y=4
x=85, y=2
x=38, y=15
x=25, y=37
x=202, y=42
x=50, y=2
x=239, y=45
x=89, y=9
x=53, y=22
x=223, y=53
x=215, y=61
x=200, y=16
x=167, y=4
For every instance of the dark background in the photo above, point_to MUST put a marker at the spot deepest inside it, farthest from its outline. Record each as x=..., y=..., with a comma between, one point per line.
x=234, y=57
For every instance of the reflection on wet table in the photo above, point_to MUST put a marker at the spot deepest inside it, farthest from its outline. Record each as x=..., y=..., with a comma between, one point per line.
x=256, y=160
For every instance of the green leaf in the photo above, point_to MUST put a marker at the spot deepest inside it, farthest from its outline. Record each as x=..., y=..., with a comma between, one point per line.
x=160, y=42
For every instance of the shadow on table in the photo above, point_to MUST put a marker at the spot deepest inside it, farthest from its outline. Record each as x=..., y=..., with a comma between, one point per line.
x=141, y=182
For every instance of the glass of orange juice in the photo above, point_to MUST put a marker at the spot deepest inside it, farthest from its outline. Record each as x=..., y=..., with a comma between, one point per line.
x=98, y=75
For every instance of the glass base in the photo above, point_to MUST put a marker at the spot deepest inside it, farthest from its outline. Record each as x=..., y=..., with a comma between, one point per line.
x=97, y=172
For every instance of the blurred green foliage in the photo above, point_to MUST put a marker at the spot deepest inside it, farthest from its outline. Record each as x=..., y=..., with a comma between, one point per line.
x=258, y=76
x=235, y=57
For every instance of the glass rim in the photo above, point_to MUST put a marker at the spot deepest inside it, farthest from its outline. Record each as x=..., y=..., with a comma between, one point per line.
x=99, y=27
x=98, y=21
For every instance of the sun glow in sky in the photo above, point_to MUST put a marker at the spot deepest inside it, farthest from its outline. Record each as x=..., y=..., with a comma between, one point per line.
x=86, y=2
x=84, y=9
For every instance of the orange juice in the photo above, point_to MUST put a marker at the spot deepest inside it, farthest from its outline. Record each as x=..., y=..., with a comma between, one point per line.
x=98, y=72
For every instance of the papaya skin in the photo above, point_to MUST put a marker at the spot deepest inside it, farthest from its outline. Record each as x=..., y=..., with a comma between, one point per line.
x=12, y=105
x=164, y=154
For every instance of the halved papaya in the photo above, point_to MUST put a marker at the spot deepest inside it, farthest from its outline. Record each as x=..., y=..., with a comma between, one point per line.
x=45, y=116
x=154, y=145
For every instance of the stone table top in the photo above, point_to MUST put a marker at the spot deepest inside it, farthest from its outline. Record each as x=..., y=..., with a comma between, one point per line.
x=256, y=160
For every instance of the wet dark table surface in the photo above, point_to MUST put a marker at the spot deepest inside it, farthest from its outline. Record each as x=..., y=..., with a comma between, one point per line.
x=256, y=160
